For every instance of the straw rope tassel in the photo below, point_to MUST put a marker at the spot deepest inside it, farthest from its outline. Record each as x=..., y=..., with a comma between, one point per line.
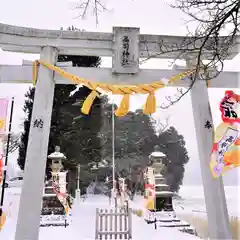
x=35, y=72
x=89, y=101
x=150, y=105
x=124, y=106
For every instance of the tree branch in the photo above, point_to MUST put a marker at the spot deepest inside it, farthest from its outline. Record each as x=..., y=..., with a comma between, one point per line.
x=212, y=17
x=84, y=6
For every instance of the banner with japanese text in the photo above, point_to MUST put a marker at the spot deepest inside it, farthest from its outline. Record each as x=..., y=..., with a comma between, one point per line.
x=226, y=148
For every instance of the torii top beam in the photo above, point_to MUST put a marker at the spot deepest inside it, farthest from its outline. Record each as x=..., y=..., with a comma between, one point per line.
x=31, y=40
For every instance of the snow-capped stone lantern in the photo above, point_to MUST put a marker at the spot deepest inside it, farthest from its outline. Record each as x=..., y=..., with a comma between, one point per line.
x=56, y=158
x=53, y=209
x=156, y=161
x=163, y=195
x=58, y=175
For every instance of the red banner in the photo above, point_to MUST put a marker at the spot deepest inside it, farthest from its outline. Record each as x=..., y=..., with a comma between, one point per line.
x=62, y=197
x=230, y=107
x=3, y=114
x=3, y=120
x=1, y=167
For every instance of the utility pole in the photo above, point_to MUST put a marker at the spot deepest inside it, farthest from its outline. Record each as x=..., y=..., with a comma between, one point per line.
x=113, y=156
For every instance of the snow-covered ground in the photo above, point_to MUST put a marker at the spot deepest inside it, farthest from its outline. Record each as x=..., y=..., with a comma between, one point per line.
x=83, y=222
x=193, y=200
x=83, y=216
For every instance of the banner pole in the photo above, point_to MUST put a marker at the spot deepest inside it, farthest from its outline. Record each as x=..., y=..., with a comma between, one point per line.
x=6, y=159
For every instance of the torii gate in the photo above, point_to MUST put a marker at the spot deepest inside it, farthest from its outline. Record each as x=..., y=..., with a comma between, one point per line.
x=50, y=43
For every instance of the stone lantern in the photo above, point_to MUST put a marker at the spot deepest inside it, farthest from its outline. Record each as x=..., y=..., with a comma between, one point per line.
x=156, y=161
x=56, y=158
x=163, y=195
x=58, y=174
x=54, y=204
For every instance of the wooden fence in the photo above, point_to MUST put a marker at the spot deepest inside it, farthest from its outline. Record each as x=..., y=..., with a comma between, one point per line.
x=113, y=224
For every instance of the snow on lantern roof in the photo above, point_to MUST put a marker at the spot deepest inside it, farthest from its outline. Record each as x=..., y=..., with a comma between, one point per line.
x=157, y=154
x=57, y=154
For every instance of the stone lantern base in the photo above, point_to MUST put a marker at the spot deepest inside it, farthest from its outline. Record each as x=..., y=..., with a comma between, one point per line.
x=53, y=212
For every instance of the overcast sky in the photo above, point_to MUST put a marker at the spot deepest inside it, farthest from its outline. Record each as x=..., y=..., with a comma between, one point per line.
x=153, y=17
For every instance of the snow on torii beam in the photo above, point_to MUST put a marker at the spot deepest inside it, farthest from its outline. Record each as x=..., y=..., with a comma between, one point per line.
x=23, y=74
x=31, y=40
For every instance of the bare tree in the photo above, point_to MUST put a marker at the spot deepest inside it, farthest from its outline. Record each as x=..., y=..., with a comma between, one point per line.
x=213, y=39
x=214, y=19
x=161, y=125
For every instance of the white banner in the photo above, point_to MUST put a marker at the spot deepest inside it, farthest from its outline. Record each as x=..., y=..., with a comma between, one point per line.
x=224, y=144
x=227, y=140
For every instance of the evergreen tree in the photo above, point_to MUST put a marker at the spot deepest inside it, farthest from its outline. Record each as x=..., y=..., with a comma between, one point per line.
x=172, y=144
x=134, y=135
x=63, y=111
x=27, y=108
x=135, y=139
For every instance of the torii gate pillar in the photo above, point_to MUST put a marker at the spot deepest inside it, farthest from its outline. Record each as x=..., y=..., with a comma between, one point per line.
x=34, y=172
x=215, y=200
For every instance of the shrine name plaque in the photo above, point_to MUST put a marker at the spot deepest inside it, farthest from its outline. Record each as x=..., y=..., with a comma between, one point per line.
x=125, y=50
